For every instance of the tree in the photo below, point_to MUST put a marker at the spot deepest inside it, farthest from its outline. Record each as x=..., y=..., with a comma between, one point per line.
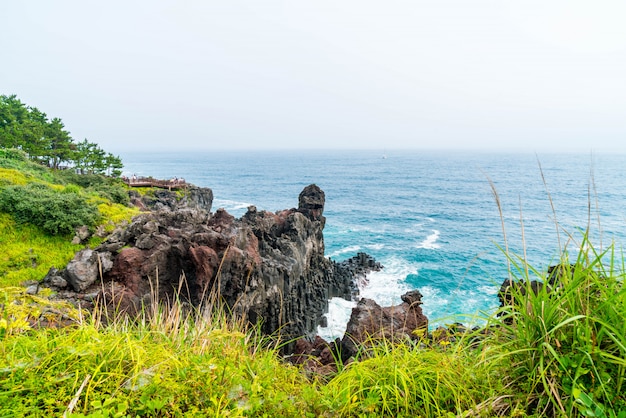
x=81, y=151
x=12, y=114
x=59, y=144
x=114, y=165
x=33, y=131
x=89, y=158
x=27, y=128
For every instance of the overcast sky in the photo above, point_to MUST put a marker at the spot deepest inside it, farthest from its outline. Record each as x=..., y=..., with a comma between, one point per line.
x=533, y=75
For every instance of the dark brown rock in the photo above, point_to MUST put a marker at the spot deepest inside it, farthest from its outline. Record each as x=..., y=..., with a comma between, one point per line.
x=369, y=322
x=311, y=202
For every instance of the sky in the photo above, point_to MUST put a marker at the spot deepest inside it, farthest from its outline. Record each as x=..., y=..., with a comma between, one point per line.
x=527, y=75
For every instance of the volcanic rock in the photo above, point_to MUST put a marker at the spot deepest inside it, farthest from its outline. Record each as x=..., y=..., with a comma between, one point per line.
x=553, y=280
x=369, y=321
x=266, y=267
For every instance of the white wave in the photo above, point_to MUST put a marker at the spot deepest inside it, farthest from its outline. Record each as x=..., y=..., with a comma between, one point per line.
x=230, y=205
x=384, y=287
x=432, y=300
x=350, y=249
x=337, y=317
x=363, y=228
x=430, y=243
x=376, y=247
x=489, y=290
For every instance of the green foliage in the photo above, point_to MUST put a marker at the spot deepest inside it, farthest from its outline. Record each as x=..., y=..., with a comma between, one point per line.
x=116, y=214
x=26, y=250
x=26, y=167
x=11, y=176
x=72, y=188
x=13, y=154
x=19, y=311
x=568, y=345
x=90, y=158
x=106, y=187
x=56, y=213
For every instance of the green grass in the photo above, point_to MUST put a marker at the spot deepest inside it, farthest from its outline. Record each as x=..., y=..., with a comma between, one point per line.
x=26, y=253
x=567, y=347
x=404, y=380
x=165, y=364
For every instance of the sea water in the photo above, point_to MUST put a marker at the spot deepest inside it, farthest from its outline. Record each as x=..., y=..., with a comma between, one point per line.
x=437, y=221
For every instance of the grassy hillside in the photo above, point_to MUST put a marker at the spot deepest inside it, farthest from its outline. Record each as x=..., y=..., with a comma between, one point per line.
x=559, y=353
x=39, y=210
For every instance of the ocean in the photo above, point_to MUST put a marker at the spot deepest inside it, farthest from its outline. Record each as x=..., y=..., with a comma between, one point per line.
x=431, y=218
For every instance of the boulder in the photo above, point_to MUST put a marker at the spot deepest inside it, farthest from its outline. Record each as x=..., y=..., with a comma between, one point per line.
x=369, y=322
x=354, y=271
x=311, y=202
x=82, y=271
x=82, y=235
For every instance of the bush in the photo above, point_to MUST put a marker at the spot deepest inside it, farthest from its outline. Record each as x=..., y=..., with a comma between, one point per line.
x=13, y=159
x=13, y=154
x=113, y=192
x=106, y=187
x=56, y=213
x=72, y=188
x=83, y=180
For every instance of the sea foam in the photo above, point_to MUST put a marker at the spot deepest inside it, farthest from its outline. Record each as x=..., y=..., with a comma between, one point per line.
x=430, y=243
x=345, y=250
x=385, y=287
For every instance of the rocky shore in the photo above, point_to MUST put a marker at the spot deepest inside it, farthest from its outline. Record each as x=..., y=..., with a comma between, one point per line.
x=266, y=267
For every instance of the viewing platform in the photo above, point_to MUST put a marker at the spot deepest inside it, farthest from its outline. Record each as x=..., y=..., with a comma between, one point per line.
x=172, y=184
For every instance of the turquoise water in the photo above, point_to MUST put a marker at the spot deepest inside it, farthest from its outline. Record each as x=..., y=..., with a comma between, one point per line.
x=429, y=217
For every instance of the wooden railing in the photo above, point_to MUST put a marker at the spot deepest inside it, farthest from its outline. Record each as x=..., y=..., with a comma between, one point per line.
x=172, y=184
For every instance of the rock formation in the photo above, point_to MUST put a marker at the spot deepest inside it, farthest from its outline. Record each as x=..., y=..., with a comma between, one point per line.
x=521, y=287
x=369, y=322
x=192, y=197
x=267, y=267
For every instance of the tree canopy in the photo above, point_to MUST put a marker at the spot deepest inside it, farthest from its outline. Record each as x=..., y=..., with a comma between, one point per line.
x=49, y=142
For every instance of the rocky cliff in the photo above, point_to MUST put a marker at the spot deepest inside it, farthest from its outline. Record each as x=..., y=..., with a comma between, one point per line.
x=267, y=267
